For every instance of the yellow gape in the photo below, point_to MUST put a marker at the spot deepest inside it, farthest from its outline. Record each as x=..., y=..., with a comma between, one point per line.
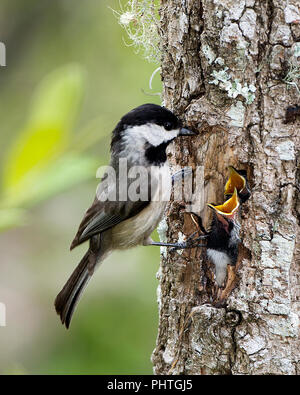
x=235, y=181
x=229, y=207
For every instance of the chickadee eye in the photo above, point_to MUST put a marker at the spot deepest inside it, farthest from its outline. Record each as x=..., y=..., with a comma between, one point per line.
x=168, y=126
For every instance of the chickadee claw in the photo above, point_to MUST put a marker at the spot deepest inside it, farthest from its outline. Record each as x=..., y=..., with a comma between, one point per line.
x=186, y=245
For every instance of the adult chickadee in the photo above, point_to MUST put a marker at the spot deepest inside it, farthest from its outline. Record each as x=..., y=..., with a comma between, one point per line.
x=223, y=238
x=237, y=179
x=141, y=138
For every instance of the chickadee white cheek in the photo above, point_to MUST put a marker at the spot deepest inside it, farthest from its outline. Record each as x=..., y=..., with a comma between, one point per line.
x=152, y=134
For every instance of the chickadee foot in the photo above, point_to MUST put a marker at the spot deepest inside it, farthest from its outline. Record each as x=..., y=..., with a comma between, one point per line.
x=149, y=242
x=182, y=246
x=190, y=242
x=175, y=246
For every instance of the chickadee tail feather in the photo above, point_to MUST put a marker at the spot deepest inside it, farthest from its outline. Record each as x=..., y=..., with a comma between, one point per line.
x=69, y=296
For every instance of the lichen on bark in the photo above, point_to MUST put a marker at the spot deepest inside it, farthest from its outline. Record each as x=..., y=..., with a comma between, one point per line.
x=257, y=331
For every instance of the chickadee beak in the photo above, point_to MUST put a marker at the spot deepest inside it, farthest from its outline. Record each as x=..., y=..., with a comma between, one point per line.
x=229, y=208
x=186, y=132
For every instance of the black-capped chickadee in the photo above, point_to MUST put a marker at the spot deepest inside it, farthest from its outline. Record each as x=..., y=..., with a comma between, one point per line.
x=140, y=138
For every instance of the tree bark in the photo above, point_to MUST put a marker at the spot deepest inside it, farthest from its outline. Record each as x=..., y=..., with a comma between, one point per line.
x=206, y=46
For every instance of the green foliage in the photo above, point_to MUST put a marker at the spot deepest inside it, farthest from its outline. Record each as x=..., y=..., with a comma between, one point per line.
x=39, y=164
x=103, y=354
x=48, y=128
x=11, y=217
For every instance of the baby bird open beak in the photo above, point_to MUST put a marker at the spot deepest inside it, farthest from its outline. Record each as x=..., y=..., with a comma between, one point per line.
x=228, y=209
x=237, y=179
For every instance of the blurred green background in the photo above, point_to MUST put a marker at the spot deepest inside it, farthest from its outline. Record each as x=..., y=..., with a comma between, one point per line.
x=68, y=80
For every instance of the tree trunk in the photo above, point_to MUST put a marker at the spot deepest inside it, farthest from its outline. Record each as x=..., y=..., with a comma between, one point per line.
x=206, y=47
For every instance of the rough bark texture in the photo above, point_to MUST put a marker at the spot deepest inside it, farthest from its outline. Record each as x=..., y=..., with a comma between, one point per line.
x=257, y=330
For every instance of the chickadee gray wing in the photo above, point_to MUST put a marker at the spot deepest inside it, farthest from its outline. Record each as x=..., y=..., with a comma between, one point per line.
x=102, y=216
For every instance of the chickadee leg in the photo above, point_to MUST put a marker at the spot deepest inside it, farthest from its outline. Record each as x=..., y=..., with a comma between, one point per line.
x=190, y=242
x=149, y=242
x=175, y=246
x=182, y=246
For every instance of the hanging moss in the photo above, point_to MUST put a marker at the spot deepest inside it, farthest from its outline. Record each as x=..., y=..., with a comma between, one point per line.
x=140, y=21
